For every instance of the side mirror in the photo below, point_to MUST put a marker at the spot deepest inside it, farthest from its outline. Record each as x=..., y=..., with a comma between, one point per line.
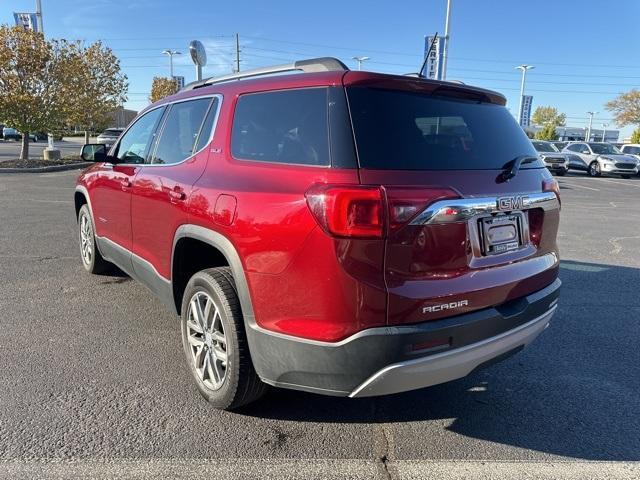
x=94, y=152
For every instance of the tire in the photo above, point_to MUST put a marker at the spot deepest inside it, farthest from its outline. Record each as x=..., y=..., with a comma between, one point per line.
x=561, y=173
x=625, y=176
x=92, y=261
x=594, y=169
x=219, y=360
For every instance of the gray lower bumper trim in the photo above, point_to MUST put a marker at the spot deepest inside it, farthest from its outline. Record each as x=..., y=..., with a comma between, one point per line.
x=451, y=365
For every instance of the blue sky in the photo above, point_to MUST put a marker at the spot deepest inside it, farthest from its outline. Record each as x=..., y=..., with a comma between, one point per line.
x=585, y=52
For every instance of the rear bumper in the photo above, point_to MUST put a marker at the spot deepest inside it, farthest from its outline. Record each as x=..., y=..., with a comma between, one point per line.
x=385, y=360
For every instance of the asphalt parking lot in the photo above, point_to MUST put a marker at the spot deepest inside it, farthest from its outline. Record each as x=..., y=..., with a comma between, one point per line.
x=93, y=381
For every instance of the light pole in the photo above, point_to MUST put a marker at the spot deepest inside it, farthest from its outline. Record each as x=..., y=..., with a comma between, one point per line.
x=445, y=46
x=591, y=114
x=604, y=131
x=360, y=60
x=171, y=53
x=39, y=16
x=524, y=69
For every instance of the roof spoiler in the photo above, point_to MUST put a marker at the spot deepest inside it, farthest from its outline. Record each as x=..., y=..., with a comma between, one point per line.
x=312, y=65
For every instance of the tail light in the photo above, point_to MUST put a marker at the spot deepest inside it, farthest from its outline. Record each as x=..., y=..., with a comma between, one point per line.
x=363, y=211
x=348, y=211
x=406, y=203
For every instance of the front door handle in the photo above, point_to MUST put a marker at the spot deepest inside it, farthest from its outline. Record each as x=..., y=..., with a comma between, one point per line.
x=125, y=182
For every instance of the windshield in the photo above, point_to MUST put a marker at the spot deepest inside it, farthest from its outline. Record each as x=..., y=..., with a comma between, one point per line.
x=400, y=130
x=544, y=147
x=603, y=148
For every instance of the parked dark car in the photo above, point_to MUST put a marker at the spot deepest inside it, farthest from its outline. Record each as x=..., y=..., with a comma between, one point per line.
x=340, y=232
x=555, y=161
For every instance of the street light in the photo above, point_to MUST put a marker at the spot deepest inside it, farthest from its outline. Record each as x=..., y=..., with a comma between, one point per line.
x=524, y=69
x=171, y=53
x=604, y=131
x=360, y=60
x=591, y=114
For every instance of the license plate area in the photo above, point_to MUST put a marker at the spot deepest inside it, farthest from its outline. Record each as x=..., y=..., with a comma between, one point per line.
x=501, y=233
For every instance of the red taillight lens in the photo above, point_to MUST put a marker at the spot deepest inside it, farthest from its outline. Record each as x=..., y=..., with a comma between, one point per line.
x=361, y=211
x=348, y=211
x=406, y=203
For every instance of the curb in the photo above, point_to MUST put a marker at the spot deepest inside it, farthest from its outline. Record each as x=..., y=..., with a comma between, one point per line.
x=52, y=168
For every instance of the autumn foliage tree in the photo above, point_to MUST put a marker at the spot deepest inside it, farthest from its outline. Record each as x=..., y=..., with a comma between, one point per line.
x=30, y=86
x=46, y=84
x=162, y=87
x=626, y=108
x=92, y=85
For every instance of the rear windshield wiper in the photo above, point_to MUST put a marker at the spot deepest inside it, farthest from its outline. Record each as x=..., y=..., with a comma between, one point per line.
x=512, y=167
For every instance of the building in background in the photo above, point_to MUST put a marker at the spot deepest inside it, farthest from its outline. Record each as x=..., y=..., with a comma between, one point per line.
x=122, y=117
x=179, y=79
x=433, y=62
x=569, y=134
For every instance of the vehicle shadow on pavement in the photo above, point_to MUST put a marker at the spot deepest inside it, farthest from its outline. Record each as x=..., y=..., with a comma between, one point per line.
x=574, y=392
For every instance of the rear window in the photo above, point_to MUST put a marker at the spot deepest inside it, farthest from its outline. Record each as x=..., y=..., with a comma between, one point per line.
x=112, y=132
x=287, y=126
x=396, y=130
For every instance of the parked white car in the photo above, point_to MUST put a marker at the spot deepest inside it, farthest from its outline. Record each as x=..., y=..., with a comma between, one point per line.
x=603, y=158
x=555, y=161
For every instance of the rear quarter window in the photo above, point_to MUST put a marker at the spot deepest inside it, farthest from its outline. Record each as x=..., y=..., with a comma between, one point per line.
x=287, y=126
x=398, y=130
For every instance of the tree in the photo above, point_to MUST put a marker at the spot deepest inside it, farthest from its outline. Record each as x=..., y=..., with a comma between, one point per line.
x=162, y=87
x=548, y=116
x=626, y=108
x=93, y=86
x=30, y=87
x=548, y=132
x=635, y=136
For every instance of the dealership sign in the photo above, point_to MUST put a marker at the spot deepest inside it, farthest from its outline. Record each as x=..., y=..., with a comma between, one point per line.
x=28, y=21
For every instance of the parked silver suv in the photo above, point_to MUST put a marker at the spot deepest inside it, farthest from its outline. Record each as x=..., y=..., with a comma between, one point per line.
x=603, y=158
x=555, y=161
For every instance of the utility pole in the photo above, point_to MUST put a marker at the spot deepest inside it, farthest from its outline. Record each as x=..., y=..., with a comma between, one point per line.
x=524, y=69
x=237, y=52
x=445, y=46
x=360, y=60
x=604, y=131
x=39, y=16
x=171, y=53
x=591, y=114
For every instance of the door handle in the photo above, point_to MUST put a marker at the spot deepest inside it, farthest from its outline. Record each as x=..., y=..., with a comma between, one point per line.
x=125, y=182
x=177, y=194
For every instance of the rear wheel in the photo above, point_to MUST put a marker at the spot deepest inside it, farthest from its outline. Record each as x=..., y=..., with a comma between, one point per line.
x=594, y=169
x=215, y=342
x=92, y=261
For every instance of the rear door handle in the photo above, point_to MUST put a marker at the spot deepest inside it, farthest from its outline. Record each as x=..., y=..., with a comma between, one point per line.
x=177, y=194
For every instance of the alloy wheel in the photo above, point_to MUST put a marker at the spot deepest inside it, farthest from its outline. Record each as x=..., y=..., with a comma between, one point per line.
x=86, y=239
x=207, y=340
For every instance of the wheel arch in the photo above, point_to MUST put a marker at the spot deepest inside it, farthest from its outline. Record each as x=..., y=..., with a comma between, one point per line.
x=228, y=256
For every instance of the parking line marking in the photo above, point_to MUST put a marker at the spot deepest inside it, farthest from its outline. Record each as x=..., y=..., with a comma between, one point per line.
x=619, y=183
x=580, y=186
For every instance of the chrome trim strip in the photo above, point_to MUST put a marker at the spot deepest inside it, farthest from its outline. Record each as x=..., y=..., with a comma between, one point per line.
x=439, y=212
x=452, y=364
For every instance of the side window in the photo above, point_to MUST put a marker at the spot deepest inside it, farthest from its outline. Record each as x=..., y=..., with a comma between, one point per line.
x=288, y=126
x=207, y=126
x=180, y=131
x=585, y=149
x=134, y=145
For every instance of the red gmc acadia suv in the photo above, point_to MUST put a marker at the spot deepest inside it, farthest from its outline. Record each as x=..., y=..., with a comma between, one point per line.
x=340, y=232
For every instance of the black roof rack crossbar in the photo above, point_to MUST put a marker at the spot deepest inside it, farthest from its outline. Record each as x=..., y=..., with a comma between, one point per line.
x=312, y=65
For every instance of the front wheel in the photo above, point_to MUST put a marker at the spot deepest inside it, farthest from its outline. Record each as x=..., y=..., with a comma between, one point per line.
x=92, y=261
x=625, y=176
x=561, y=173
x=594, y=169
x=215, y=343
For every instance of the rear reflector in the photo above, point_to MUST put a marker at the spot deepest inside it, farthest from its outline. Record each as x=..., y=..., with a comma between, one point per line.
x=551, y=185
x=348, y=211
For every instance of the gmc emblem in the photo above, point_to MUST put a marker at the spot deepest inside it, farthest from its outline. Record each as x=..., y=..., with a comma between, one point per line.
x=512, y=203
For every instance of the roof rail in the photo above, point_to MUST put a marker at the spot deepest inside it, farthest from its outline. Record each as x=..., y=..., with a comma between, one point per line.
x=312, y=65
